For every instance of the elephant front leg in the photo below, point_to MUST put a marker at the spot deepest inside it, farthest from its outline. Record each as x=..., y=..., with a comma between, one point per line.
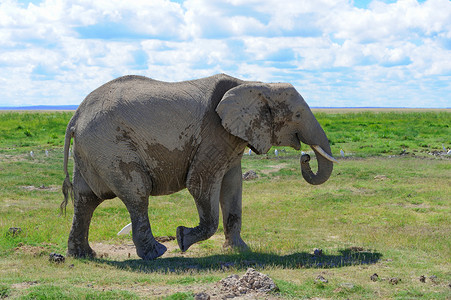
x=230, y=199
x=207, y=202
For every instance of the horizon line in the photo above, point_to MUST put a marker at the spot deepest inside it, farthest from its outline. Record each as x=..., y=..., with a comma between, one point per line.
x=74, y=107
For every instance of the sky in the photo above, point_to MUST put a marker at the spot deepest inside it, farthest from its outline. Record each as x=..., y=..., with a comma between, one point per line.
x=337, y=53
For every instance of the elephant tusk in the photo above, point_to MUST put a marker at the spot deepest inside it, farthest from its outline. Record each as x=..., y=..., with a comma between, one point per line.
x=324, y=154
x=126, y=230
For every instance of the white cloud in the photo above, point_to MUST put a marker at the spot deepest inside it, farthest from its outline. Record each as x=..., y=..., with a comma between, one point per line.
x=210, y=19
x=58, y=51
x=404, y=19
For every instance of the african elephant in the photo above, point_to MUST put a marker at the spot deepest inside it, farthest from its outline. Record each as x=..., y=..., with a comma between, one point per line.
x=135, y=137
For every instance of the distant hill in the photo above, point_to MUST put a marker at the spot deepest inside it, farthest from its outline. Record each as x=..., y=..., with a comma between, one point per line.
x=40, y=107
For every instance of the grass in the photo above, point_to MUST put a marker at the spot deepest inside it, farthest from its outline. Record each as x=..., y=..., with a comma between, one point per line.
x=368, y=133
x=379, y=213
x=49, y=291
x=24, y=131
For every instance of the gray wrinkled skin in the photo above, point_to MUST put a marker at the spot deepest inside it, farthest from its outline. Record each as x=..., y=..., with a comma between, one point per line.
x=135, y=137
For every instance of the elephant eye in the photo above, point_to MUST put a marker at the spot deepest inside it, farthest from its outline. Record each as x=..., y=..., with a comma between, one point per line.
x=298, y=116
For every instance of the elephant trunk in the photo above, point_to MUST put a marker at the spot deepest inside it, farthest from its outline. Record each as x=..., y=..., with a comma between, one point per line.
x=324, y=158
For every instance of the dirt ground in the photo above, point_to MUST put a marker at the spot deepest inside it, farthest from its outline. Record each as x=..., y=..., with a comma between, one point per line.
x=128, y=251
x=249, y=285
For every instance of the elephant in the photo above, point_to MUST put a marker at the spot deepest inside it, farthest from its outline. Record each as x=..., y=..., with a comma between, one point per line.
x=135, y=137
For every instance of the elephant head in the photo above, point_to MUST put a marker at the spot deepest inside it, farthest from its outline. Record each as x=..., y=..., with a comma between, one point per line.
x=276, y=114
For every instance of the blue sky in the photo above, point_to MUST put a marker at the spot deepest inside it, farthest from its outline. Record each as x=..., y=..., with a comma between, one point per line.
x=337, y=53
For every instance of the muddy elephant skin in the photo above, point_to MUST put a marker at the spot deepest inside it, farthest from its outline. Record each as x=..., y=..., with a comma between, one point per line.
x=135, y=137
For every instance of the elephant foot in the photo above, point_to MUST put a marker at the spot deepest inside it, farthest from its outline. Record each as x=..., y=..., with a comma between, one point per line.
x=80, y=251
x=188, y=236
x=182, y=231
x=236, y=244
x=155, y=251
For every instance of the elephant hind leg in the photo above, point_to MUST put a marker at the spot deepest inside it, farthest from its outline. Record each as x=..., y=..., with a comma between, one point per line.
x=85, y=203
x=146, y=246
x=133, y=185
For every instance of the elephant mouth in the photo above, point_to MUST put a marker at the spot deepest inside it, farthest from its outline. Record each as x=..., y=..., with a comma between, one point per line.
x=296, y=144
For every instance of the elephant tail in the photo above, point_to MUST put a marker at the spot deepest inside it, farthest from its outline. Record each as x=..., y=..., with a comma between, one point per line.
x=68, y=189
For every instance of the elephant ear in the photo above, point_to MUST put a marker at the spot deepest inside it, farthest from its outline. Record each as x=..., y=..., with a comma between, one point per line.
x=245, y=113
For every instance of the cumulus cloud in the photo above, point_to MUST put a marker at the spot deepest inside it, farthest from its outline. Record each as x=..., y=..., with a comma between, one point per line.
x=336, y=53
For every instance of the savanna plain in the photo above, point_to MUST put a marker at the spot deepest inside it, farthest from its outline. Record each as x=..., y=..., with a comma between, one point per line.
x=386, y=210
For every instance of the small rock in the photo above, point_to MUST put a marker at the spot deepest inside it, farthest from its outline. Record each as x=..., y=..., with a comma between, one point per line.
x=56, y=258
x=251, y=282
x=201, y=296
x=14, y=230
x=318, y=252
x=433, y=278
x=258, y=281
x=374, y=277
x=394, y=280
x=321, y=279
x=230, y=280
x=423, y=278
x=250, y=175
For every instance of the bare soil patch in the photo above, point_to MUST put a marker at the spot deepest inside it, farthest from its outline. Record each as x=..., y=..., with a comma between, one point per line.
x=274, y=168
x=251, y=285
x=13, y=158
x=116, y=252
x=32, y=250
x=128, y=251
x=51, y=188
x=24, y=285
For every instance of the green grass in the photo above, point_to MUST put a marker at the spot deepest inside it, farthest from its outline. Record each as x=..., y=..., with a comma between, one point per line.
x=47, y=291
x=24, y=131
x=378, y=213
x=369, y=133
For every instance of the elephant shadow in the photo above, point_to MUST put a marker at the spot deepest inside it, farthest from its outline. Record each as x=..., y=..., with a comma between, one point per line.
x=242, y=261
